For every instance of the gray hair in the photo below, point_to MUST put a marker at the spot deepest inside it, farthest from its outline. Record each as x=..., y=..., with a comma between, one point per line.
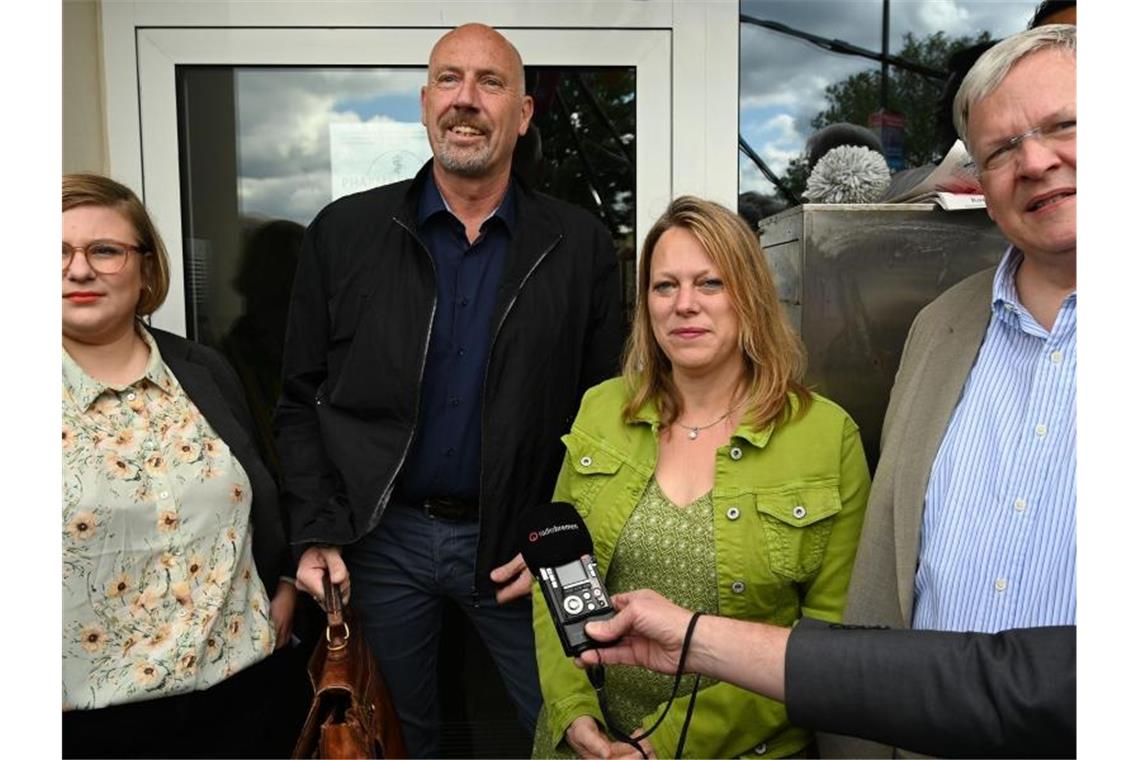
x=985, y=76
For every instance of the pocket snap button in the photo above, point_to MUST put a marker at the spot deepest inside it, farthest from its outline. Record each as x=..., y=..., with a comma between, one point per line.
x=799, y=512
x=735, y=452
x=586, y=461
x=732, y=513
x=738, y=587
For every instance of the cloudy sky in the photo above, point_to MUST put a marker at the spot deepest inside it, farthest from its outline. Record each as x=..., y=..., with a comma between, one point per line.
x=782, y=78
x=283, y=118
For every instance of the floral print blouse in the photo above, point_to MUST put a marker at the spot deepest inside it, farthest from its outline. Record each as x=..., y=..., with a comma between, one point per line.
x=160, y=593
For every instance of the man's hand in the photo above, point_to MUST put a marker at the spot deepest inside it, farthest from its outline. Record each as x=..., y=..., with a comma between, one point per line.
x=315, y=562
x=651, y=630
x=281, y=611
x=514, y=579
x=588, y=740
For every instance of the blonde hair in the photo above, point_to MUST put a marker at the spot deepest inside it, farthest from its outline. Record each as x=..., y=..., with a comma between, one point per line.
x=773, y=355
x=994, y=65
x=97, y=190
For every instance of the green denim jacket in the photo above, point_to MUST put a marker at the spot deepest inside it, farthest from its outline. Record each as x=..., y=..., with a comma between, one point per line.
x=788, y=505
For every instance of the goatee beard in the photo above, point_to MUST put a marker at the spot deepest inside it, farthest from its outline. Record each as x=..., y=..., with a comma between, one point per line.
x=465, y=165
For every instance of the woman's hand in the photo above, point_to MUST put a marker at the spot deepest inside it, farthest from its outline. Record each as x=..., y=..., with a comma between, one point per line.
x=315, y=562
x=281, y=611
x=588, y=740
x=621, y=749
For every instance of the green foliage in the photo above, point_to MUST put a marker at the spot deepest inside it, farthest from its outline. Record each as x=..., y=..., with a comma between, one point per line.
x=913, y=95
x=795, y=176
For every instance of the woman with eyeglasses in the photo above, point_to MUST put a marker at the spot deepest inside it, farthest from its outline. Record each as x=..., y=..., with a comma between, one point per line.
x=175, y=566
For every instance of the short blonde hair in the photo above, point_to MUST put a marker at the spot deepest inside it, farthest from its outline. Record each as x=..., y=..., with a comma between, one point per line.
x=97, y=190
x=774, y=356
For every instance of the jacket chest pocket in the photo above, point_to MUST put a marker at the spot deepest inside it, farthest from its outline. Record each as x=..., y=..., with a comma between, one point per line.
x=592, y=470
x=796, y=525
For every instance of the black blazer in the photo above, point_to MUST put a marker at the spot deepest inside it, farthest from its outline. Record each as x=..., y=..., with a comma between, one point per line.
x=214, y=388
x=1009, y=694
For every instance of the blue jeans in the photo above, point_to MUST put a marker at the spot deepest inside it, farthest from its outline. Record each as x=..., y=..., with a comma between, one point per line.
x=401, y=574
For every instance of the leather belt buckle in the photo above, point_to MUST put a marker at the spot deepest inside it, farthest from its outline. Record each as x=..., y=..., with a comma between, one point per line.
x=451, y=508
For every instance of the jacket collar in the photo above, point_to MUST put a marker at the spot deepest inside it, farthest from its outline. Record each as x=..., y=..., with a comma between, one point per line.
x=203, y=389
x=432, y=202
x=649, y=414
x=537, y=231
x=522, y=199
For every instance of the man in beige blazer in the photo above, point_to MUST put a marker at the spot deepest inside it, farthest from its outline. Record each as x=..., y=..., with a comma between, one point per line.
x=1018, y=120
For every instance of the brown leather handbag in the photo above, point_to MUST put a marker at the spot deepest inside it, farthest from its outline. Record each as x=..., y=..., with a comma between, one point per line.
x=352, y=715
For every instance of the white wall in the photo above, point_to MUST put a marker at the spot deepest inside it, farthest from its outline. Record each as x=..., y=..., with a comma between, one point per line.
x=84, y=110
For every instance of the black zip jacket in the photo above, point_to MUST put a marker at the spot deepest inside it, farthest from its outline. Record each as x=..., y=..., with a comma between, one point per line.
x=359, y=324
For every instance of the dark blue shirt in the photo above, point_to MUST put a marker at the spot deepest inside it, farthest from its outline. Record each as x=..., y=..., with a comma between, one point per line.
x=445, y=454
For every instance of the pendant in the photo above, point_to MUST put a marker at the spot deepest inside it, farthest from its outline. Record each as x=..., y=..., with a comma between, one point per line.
x=693, y=433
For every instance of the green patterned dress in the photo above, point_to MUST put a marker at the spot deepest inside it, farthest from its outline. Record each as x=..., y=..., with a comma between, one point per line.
x=671, y=550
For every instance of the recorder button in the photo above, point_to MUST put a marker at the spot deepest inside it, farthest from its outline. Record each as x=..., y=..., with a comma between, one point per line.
x=572, y=605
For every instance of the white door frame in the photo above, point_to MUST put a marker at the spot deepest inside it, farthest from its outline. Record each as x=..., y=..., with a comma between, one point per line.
x=685, y=53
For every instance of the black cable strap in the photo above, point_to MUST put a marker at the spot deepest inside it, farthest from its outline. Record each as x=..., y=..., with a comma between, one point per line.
x=597, y=678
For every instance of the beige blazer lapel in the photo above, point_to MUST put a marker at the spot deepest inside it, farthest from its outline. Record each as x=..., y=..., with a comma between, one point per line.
x=938, y=385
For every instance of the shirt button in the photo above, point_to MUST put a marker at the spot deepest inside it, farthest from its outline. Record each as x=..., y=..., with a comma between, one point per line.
x=1008, y=306
x=1020, y=505
x=732, y=513
x=1056, y=357
x=760, y=749
x=735, y=452
x=738, y=587
x=130, y=397
x=462, y=352
x=1000, y=584
x=449, y=453
x=1040, y=430
x=164, y=495
x=799, y=512
x=462, y=301
x=148, y=444
x=586, y=461
x=454, y=401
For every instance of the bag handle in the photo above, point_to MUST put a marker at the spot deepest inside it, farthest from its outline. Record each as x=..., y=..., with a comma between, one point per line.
x=337, y=631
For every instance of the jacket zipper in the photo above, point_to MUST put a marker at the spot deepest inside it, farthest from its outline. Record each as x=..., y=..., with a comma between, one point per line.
x=386, y=494
x=483, y=411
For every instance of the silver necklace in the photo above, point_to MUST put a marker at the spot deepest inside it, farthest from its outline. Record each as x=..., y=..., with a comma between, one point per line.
x=695, y=430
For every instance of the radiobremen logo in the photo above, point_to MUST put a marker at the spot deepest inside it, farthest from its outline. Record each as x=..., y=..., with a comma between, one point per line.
x=537, y=534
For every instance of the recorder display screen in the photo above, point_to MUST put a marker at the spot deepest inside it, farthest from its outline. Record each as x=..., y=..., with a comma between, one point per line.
x=571, y=574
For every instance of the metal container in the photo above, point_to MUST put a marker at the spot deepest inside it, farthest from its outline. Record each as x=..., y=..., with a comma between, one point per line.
x=852, y=277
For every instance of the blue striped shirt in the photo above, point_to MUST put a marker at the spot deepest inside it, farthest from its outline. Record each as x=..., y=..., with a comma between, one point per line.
x=998, y=545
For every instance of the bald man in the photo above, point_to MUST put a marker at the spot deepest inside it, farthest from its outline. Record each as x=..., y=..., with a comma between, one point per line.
x=441, y=334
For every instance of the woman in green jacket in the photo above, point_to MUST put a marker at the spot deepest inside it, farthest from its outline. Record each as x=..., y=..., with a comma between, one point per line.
x=710, y=474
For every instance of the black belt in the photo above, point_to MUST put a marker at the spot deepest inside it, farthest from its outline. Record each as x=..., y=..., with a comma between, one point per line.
x=450, y=508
